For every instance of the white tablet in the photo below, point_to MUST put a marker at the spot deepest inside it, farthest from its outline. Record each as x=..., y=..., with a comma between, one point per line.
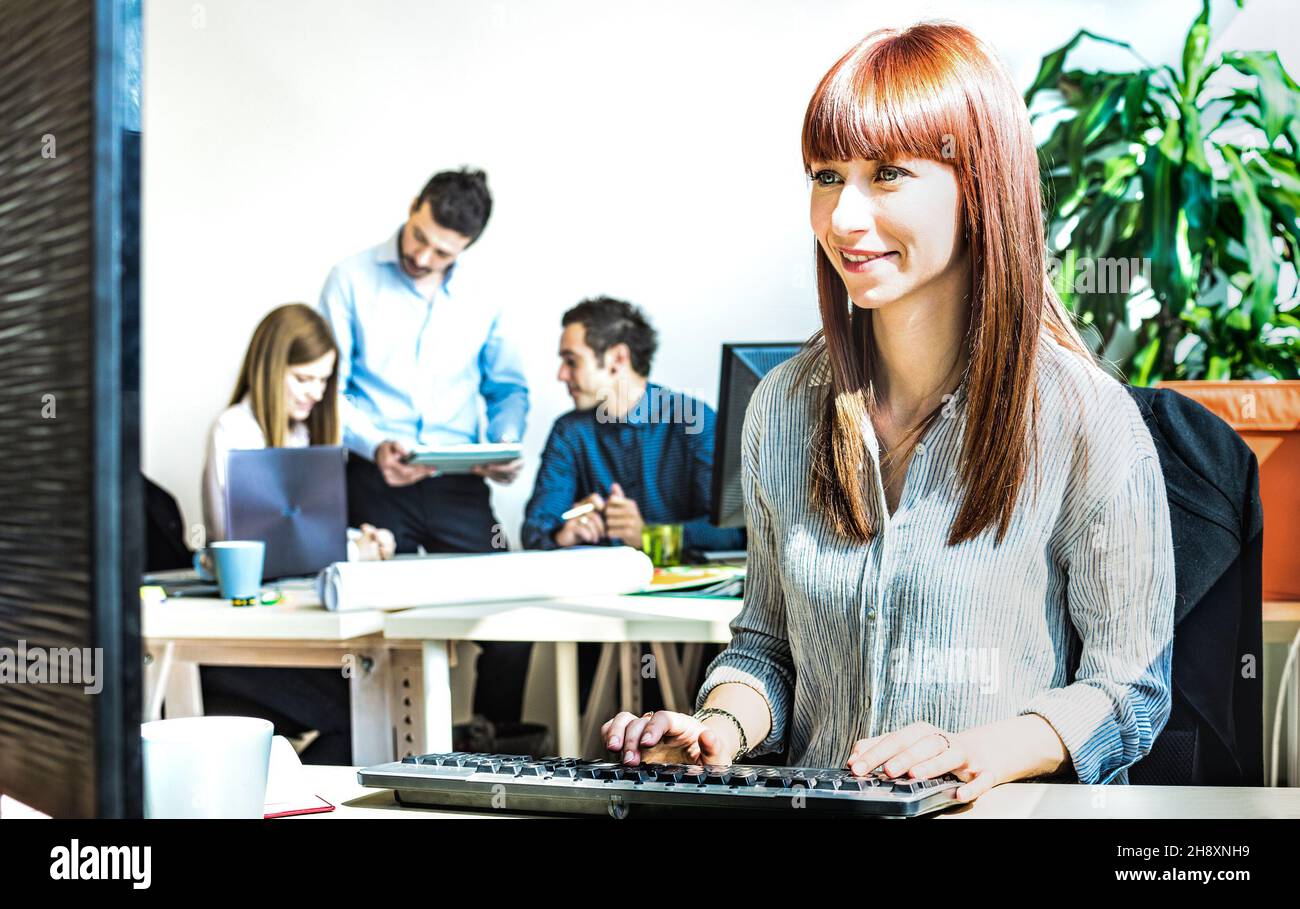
x=461, y=458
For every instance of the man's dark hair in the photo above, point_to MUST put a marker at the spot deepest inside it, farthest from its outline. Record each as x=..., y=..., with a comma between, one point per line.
x=459, y=200
x=608, y=322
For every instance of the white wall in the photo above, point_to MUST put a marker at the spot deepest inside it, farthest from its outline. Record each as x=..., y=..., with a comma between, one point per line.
x=648, y=151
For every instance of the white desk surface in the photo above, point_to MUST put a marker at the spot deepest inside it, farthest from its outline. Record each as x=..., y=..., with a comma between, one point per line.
x=608, y=618
x=300, y=617
x=339, y=786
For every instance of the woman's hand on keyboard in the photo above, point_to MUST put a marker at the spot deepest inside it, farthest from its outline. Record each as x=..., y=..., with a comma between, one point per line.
x=923, y=751
x=666, y=737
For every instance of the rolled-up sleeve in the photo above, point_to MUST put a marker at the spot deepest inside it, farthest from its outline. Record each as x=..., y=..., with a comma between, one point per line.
x=759, y=653
x=1120, y=567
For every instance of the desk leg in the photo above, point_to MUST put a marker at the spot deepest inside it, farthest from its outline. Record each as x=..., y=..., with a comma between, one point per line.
x=437, y=697
x=692, y=654
x=598, y=707
x=669, y=674
x=566, y=699
x=183, y=695
x=372, y=727
x=629, y=671
x=157, y=671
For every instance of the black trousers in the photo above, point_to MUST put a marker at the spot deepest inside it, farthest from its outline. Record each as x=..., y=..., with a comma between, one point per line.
x=294, y=700
x=446, y=514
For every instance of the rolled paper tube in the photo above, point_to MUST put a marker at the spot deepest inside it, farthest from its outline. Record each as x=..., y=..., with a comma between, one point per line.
x=445, y=580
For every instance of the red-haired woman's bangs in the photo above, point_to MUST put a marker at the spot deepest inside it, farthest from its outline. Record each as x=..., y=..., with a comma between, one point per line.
x=894, y=95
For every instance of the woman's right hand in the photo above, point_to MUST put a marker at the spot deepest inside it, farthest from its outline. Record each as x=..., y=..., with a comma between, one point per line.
x=665, y=737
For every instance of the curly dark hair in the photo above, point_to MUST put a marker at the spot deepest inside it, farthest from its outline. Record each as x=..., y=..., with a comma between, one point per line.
x=608, y=322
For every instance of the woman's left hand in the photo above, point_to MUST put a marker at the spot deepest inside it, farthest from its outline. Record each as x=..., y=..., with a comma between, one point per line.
x=922, y=751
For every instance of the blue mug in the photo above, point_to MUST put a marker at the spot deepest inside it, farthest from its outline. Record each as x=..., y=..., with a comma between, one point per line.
x=238, y=569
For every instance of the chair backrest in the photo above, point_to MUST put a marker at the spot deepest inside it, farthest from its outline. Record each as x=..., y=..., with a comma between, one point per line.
x=165, y=547
x=1214, y=735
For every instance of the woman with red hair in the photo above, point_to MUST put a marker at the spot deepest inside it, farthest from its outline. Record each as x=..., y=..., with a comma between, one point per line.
x=960, y=557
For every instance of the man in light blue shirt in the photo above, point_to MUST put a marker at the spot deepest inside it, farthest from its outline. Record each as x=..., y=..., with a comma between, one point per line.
x=417, y=352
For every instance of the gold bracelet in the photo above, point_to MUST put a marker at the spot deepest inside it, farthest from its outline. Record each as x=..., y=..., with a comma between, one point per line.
x=706, y=712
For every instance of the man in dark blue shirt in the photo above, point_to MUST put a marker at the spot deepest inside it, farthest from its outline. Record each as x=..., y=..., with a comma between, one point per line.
x=640, y=453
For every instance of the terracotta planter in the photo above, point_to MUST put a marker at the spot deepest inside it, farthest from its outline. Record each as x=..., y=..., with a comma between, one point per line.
x=1267, y=415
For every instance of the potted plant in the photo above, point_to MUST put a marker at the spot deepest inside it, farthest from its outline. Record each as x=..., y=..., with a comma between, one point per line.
x=1173, y=205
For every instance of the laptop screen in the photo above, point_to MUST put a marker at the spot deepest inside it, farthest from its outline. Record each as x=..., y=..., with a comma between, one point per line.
x=293, y=499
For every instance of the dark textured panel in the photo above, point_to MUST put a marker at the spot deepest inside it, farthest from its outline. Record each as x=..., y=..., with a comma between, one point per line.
x=47, y=731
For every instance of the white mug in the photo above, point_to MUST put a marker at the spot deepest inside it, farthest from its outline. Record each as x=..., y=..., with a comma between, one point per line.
x=206, y=767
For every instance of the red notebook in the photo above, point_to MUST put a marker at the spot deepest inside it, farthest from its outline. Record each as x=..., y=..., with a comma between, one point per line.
x=288, y=792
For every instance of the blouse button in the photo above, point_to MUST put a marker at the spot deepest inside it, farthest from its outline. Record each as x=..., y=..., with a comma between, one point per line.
x=871, y=613
x=920, y=448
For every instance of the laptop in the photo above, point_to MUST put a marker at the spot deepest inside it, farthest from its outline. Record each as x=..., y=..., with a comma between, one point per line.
x=293, y=499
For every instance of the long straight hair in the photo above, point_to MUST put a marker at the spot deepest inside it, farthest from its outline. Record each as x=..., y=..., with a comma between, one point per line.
x=935, y=91
x=288, y=336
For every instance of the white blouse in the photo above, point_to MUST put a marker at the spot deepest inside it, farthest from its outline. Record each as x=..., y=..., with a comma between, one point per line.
x=235, y=430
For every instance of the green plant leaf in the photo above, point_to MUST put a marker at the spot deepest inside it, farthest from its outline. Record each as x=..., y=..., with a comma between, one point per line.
x=1258, y=239
x=1135, y=96
x=1198, y=38
x=1049, y=71
x=1279, y=97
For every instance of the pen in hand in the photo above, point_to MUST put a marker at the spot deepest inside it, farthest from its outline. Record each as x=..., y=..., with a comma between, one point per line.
x=578, y=511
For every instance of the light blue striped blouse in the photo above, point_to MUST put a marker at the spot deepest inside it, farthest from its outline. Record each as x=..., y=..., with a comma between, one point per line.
x=847, y=640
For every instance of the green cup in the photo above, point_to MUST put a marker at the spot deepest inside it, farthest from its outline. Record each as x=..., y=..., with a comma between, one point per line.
x=663, y=544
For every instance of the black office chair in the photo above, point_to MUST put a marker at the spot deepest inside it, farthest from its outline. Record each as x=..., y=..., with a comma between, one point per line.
x=1215, y=732
x=165, y=547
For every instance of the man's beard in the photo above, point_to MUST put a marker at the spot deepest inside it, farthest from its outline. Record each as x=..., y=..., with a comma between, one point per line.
x=407, y=267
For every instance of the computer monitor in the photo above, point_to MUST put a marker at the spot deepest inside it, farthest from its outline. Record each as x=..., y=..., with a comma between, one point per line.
x=71, y=502
x=293, y=499
x=743, y=365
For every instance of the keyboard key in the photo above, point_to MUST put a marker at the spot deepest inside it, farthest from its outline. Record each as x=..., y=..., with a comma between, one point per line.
x=592, y=770
x=668, y=773
x=774, y=777
x=717, y=774
x=693, y=773
x=744, y=776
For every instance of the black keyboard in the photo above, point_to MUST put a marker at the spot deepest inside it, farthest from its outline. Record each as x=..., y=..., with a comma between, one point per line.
x=517, y=783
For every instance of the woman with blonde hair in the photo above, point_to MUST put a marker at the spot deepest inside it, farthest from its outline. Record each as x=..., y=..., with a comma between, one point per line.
x=286, y=396
x=960, y=558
